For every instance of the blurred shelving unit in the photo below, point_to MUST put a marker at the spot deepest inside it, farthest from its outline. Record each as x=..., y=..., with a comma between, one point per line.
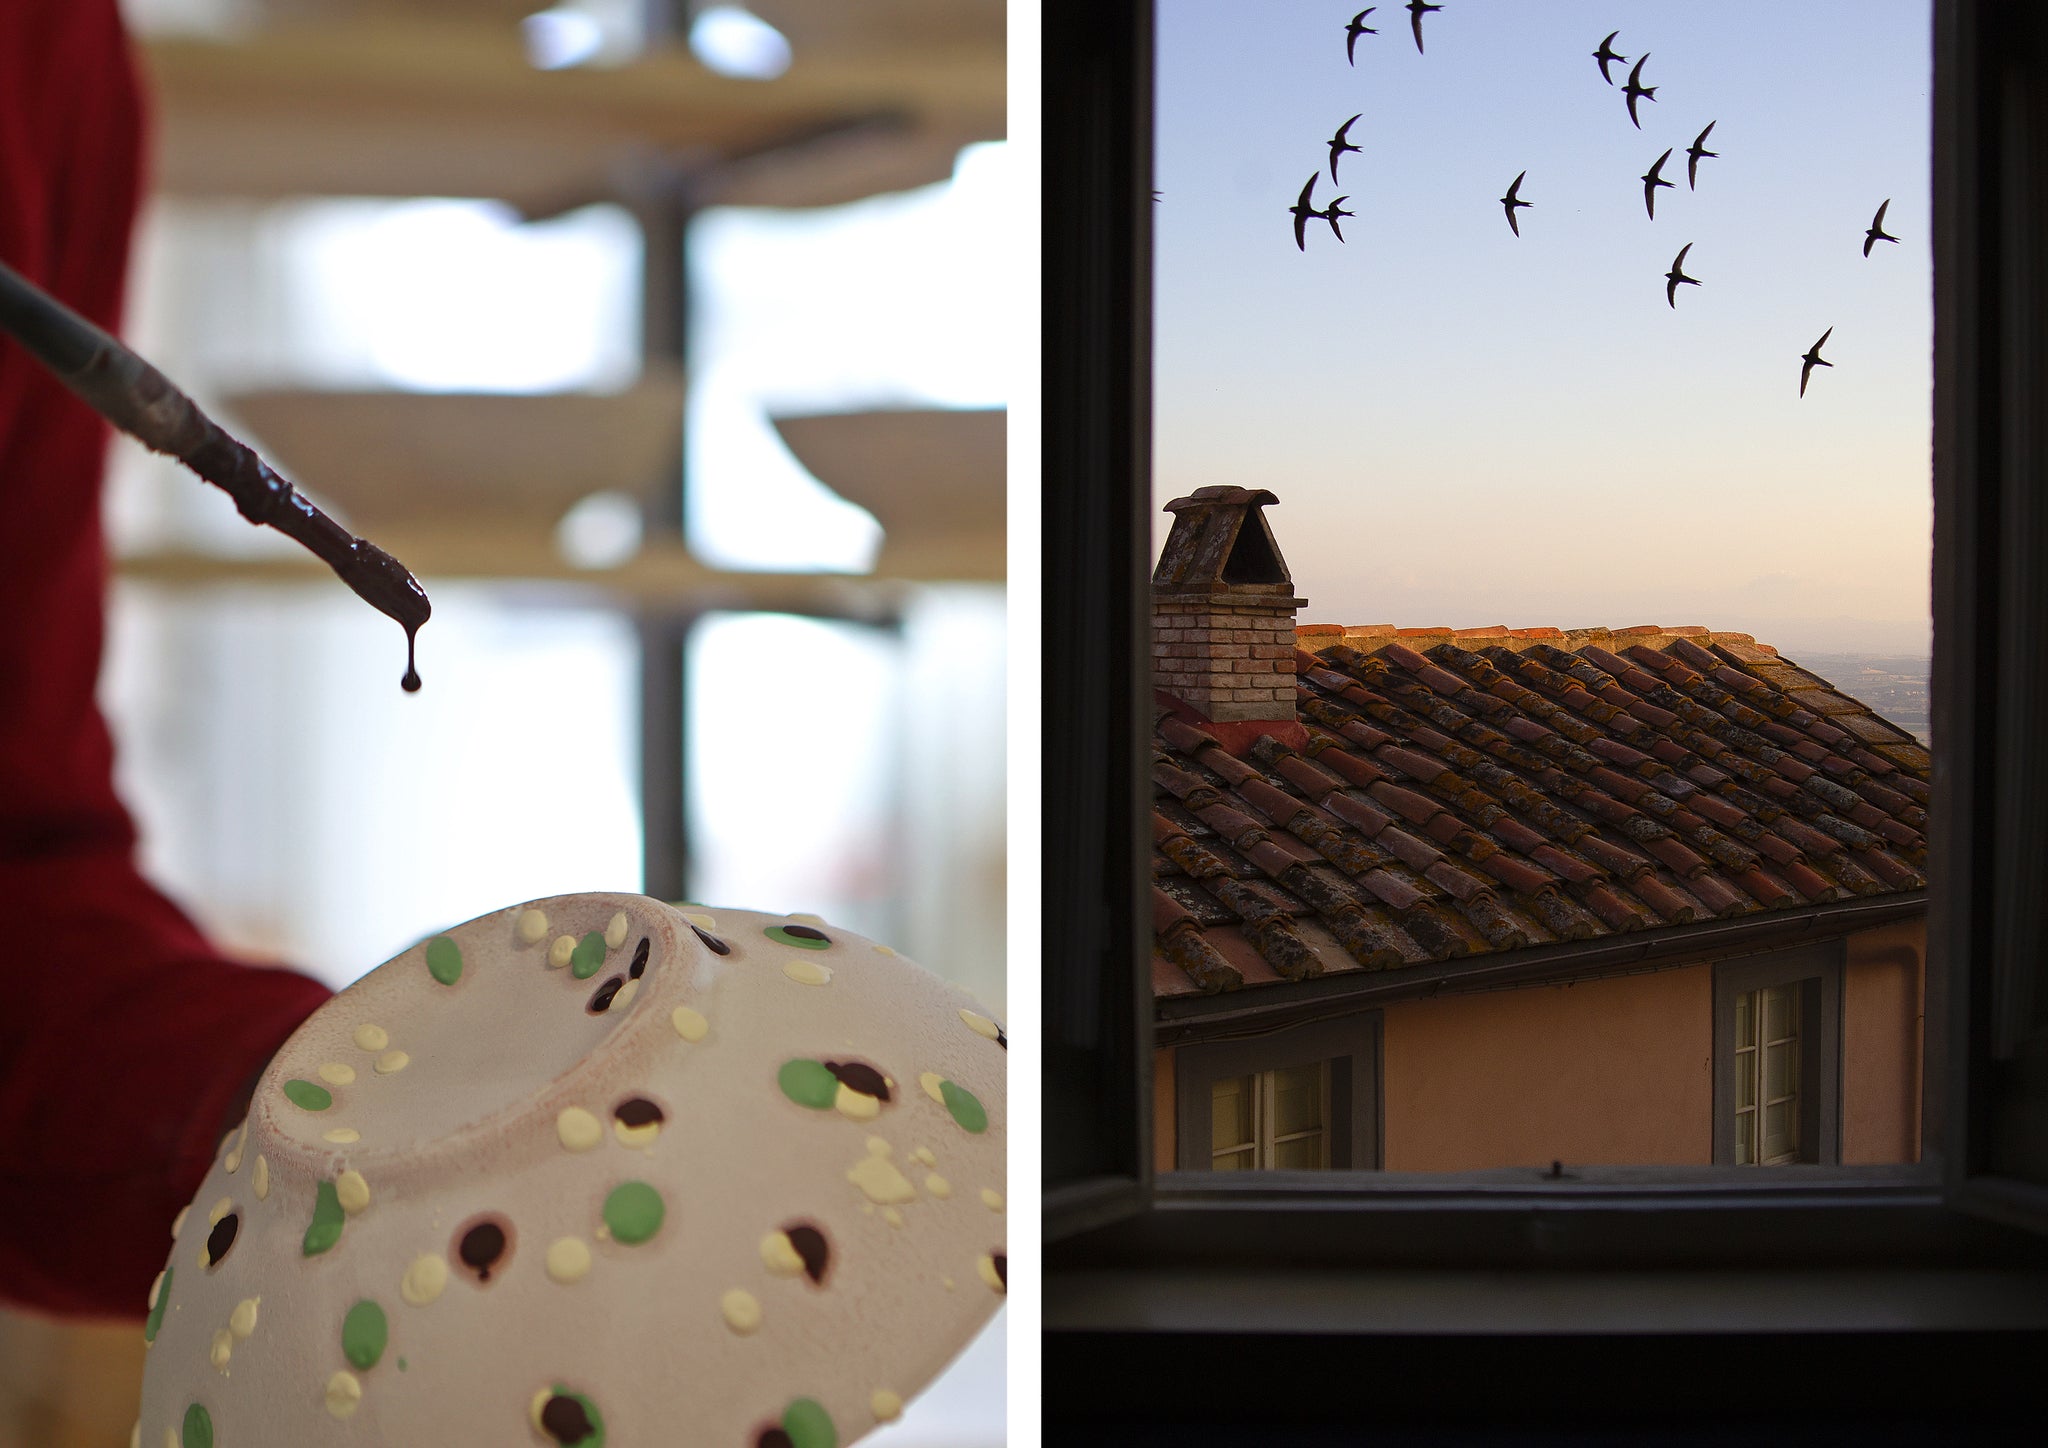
x=298, y=99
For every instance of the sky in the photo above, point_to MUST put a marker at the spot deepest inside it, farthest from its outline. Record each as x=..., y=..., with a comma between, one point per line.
x=1464, y=427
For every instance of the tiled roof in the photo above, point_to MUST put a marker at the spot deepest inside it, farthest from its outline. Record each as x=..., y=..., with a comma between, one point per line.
x=1453, y=792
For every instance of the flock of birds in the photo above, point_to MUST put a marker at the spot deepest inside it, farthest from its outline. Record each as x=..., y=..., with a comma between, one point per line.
x=1304, y=210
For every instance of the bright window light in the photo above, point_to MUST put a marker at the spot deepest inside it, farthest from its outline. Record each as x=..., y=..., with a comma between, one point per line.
x=602, y=531
x=734, y=41
x=558, y=39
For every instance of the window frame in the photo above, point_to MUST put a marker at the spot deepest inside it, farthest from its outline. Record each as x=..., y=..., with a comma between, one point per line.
x=1349, y=1043
x=1983, y=1154
x=1819, y=970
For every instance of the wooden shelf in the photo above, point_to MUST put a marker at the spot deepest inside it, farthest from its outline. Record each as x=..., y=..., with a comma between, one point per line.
x=933, y=478
x=397, y=106
x=395, y=460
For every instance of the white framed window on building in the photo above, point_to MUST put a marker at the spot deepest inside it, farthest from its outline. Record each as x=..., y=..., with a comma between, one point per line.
x=1777, y=1057
x=1303, y=1098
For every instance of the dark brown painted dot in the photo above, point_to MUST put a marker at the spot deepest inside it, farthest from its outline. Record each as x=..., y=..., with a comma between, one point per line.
x=221, y=1238
x=809, y=1244
x=860, y=1076
x=637, y=1111
x=482, y=1248
x=639, y=966
x=718, y=947
x=773, y=1438
x=565, y=1421
x=606, y=993
x=1002, y=1261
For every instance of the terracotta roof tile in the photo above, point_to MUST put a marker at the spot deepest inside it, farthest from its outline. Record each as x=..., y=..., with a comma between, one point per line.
x=1460, y=791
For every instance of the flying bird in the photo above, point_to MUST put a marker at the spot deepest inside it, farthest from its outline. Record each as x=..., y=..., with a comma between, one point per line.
x=1676, y=277
x=1604, y=55
x=1877, y=232
x=1509, y=203
x=1334, y=213
x=1303, y=211
x=1415, y=13
x=1694, y=154
x=1652, y=180
x=1813, y=359
x=1636, y=91
x=1338, y=146
x=1353, y=31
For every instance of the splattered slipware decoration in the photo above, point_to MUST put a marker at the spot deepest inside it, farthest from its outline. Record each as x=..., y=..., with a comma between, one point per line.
x=648, y=1175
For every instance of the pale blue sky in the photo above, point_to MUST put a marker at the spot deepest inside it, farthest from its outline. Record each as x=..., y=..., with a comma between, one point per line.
x=1466, y=428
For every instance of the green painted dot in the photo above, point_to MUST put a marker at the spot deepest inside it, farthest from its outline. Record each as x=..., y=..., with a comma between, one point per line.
x=156, y=1313
x=965, y=1106
x=327, y=1221
x=809, y=1425
x=588, y=955
x=808, y=1083
x=633, y=1212
x=364, y=1333
x=401, y=1364
x=444, y=960
x=308, y=1095
x=803, y=937
x=198, y=1428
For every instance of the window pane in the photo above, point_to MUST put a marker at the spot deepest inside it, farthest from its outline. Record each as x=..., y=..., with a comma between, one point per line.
x=1745, y=1020
x=1781, y=1070
x=1239, y=1160
x=1781, y=1131
x=1745, y=1139
x=1745, y=1078
x=1297, y=1099
x=1302, y=1152
x=1230, y=1114
x=1780, y=1021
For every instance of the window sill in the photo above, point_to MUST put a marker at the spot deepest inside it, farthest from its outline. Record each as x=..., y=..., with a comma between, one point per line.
x=1315, y=1300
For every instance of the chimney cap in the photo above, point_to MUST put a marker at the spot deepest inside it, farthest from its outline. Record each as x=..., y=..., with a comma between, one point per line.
x=1215, y=496
x=1220, y=544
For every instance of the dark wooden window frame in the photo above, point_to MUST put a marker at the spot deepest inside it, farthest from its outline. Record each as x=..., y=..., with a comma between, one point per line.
x=1817, y=968
x=1979, y=1199
x=1350, y=1043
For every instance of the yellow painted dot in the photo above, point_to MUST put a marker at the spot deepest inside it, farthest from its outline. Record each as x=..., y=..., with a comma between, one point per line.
x=857, y=1105
x=568, y=1259
x=615, y=931
x=883, y=950
x=689, y=1024
x=170, y=1438
x=992, y=1199
x=979, y=1024
x=885, y=1405
x=234, y=1161
x=392, y=1062
x=341, y=1135
x=135, y=1435
x=807, y=919
x=352, y=1191
x=701, y=920
x=220, y=1209
x=924, y=1154
x=261, y=1177
x=344, y=1394
x=625, y=996
x=560, y=951
x=742, y=1311
x=877, y=1177
x=334, y=1073
x=424, y=1279
x=372, y=1038
x=158, y=1286
x=578, y=1129
x=178, y=1222
x=242, y=1321
x=986, y=1266
x=537, y=1406
x=532, y=927
x=947, y=1283
x=222, y=1349
x=932, y=1082
x=806, y=972
x=893, y=1217
x=938, y=1186
x=778, y=1255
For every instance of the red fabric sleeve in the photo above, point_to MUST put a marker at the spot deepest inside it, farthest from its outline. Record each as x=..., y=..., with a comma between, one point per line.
x=125, y=1037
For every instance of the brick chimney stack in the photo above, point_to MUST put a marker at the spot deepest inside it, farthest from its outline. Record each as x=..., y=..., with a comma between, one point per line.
x=1223, y=609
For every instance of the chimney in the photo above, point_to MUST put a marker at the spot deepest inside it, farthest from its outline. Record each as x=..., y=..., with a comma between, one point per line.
x=1223, y=609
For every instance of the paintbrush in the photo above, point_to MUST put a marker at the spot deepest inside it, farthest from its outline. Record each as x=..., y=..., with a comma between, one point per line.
x=142, y=402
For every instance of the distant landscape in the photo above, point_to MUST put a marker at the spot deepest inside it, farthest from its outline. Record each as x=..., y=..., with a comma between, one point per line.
x=1895, y=685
